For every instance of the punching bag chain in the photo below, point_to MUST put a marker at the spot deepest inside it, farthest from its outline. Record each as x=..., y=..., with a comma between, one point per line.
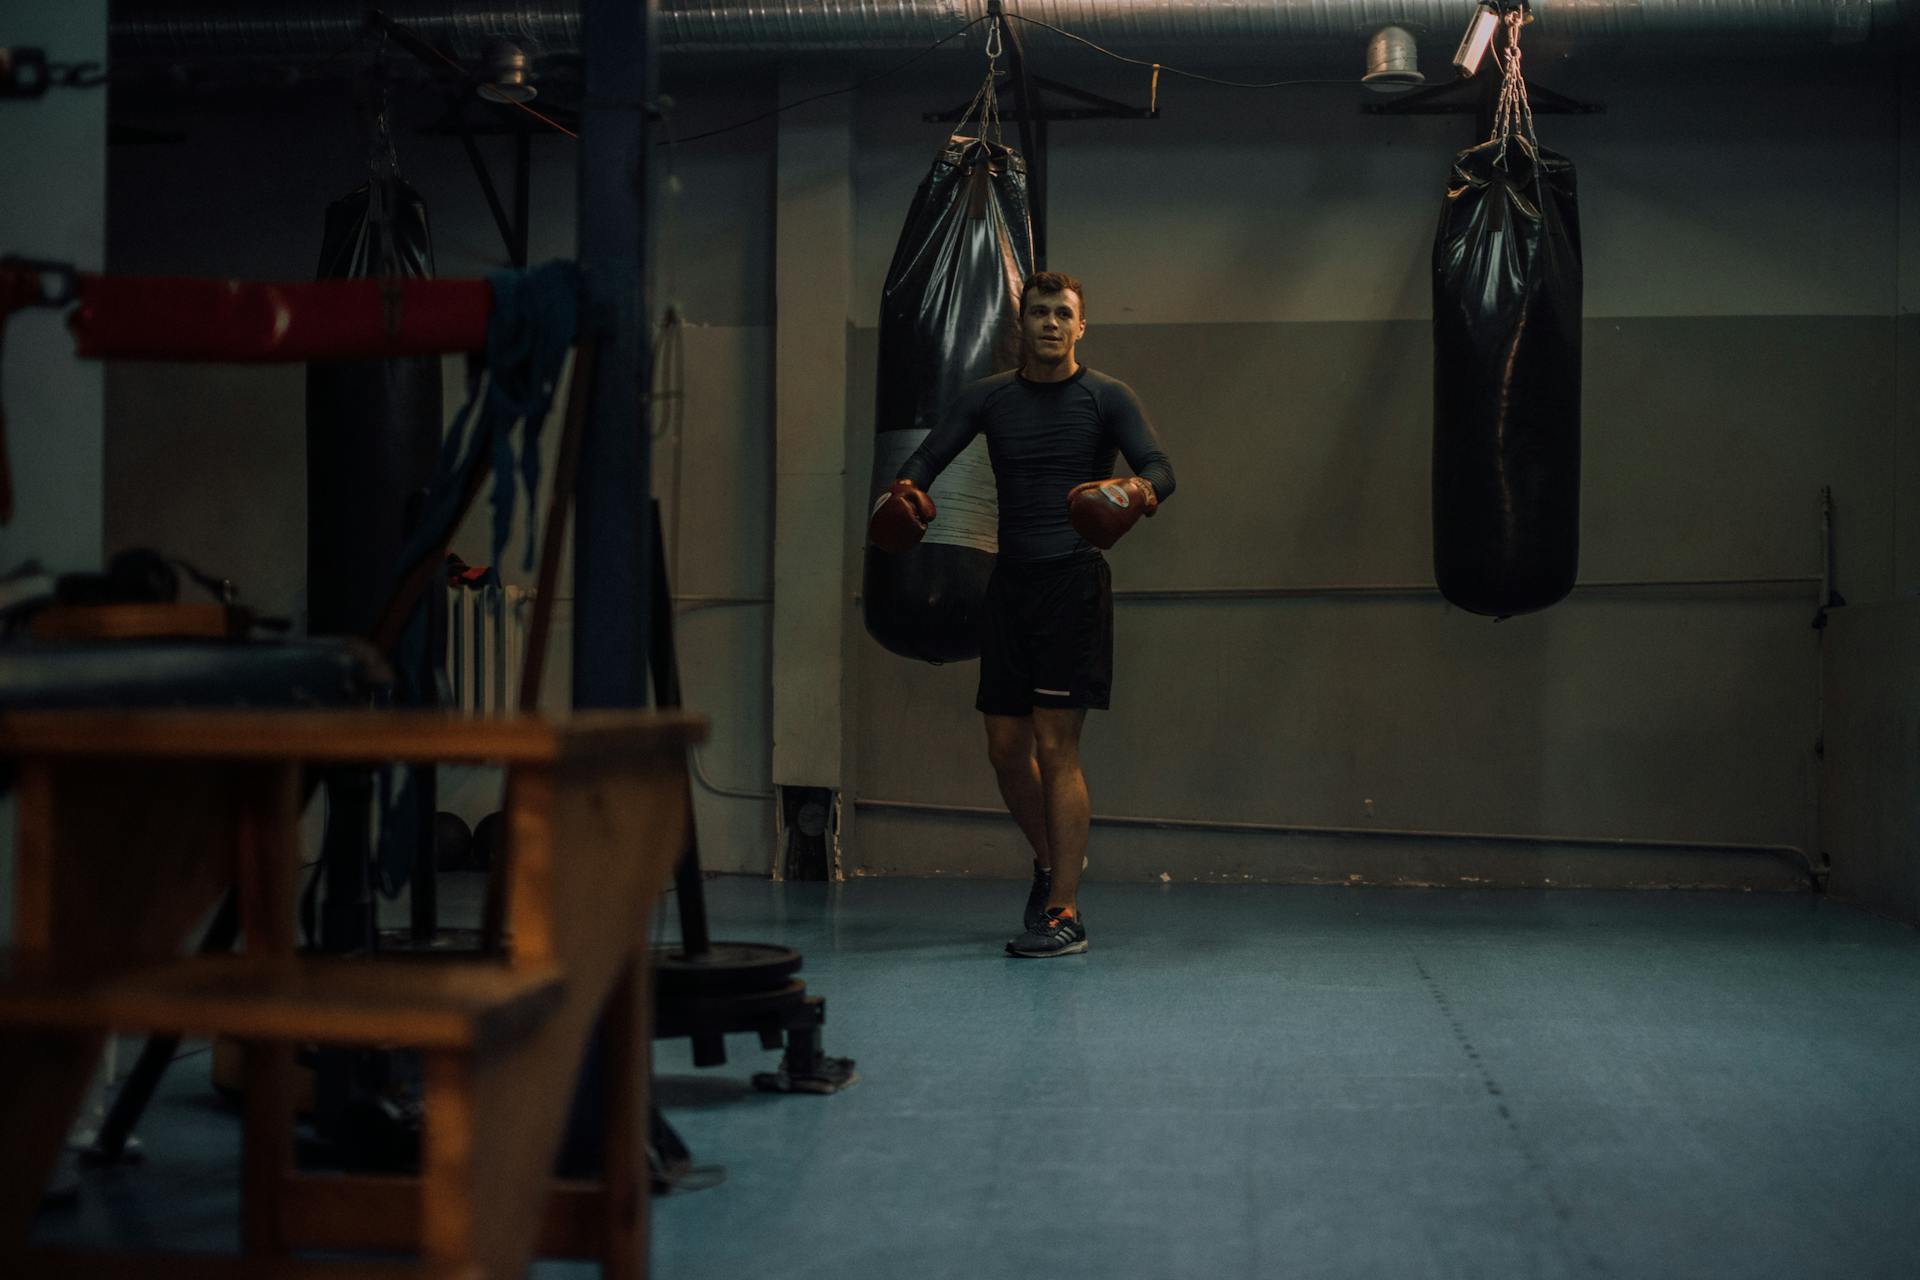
x=1515, y=113
x=383, y=172
x=987, y=100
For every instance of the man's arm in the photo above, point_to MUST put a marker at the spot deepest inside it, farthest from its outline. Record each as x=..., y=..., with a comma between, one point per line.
x=901, y=515
x=944, y=443
x=1101, y=511
x=1139, y=443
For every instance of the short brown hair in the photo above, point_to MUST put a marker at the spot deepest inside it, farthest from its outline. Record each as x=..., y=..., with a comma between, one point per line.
x=1052, y=282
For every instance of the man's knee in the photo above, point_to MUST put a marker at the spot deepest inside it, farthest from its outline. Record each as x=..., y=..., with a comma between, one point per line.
x=1056, y=751
x=1059, y=763
x=1056, y=739
x=1009, y=744
x=1009, y=759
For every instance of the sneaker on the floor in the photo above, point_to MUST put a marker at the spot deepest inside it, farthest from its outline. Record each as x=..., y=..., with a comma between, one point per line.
x=1037, y=898
x=1058, y=934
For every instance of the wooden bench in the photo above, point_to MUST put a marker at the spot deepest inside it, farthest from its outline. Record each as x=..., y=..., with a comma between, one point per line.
x=133, y=824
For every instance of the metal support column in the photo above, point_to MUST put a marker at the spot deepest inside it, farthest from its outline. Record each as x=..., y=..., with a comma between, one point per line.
x=611, y=564
x=612, y=551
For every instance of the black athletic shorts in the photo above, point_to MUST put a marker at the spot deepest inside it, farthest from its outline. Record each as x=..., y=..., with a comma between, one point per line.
x=1046, y=635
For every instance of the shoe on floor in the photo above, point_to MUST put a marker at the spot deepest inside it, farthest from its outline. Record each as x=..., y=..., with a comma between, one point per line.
x=1037, y=898
x=1059, y=934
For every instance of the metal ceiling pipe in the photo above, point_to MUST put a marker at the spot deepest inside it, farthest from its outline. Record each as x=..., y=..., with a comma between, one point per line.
x=298, y=31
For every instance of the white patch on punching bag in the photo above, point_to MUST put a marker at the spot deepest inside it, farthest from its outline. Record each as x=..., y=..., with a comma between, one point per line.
x=967, y=509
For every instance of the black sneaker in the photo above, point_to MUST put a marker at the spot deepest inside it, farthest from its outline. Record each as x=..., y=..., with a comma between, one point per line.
x=1058, y=934
x=1037, y=898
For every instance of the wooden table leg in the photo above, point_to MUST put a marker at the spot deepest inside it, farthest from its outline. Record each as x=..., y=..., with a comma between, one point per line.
x=266, y=804
x=629, y=1044
x=53, y=1070
x=115, y=863
x=447, y=1160
x=266, y=1147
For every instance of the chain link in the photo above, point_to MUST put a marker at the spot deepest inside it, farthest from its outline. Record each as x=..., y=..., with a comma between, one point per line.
x=76, y=75
x=383, y=175
x=1514, y=115
x=26, y=72
x=986, y=100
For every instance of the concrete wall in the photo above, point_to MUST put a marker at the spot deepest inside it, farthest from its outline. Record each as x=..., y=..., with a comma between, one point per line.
x=811, y=282
x=1256, y=267
x=1870, y=802
x=53, y=152
x=1257, y=270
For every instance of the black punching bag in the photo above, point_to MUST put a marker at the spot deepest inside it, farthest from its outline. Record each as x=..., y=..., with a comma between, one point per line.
x=373, y=426
x=1506, y=379
x=373, y=433
x=950, y=314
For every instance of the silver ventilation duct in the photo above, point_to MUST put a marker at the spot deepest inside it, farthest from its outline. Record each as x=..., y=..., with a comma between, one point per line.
x=1239, y=31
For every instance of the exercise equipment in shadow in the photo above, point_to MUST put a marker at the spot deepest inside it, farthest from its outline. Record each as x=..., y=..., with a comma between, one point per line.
x=707, y=989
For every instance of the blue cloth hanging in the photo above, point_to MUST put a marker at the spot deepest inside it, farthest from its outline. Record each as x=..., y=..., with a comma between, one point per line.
x=532, y=327
x=534, y=322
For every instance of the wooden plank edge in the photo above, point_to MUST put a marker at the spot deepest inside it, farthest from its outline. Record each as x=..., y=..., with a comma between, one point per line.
x=90, y=1264
x=348, y=1211
x=340, y=736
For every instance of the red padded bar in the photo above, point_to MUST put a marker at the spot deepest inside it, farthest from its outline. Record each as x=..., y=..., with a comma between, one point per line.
x=241, y=321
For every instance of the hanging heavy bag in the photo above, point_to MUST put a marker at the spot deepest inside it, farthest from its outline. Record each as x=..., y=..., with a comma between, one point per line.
x=373, y=435
x=949, y=314
x=373, y=426
x=1506, y=351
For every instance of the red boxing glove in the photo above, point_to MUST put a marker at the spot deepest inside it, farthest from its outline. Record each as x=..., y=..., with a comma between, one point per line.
x=900, y=517
x=1103, y=510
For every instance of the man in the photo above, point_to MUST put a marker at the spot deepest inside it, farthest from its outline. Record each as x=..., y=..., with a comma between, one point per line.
x=1046, y=655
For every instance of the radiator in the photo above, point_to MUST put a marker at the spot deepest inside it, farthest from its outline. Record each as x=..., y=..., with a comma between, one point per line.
x=486, y=644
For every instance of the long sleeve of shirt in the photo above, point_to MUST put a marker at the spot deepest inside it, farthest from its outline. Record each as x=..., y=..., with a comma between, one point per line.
x=1044, y=438
x=1139, y=443
x=958, y=426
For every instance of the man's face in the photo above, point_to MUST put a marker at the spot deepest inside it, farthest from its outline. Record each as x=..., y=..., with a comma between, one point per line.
x=1050, y=323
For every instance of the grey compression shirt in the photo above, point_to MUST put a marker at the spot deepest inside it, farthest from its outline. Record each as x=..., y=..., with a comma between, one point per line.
x=1044, y=438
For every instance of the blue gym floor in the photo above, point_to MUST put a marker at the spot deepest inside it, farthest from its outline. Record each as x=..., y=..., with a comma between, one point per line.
x=1266, y=1082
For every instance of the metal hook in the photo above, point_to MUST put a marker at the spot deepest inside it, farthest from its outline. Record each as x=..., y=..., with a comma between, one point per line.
x=993, y=40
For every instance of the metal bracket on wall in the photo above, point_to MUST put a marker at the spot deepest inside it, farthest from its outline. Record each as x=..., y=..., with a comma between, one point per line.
x=1092, y=105
x=513, y=231
x=497, y=119
x=1480, y=95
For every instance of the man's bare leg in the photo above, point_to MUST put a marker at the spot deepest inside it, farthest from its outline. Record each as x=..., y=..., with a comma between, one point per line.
x=1069, y=813
x=1010, y=748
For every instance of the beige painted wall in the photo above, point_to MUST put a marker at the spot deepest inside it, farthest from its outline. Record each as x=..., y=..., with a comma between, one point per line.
x=1257, y=268
x=1672, y=714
